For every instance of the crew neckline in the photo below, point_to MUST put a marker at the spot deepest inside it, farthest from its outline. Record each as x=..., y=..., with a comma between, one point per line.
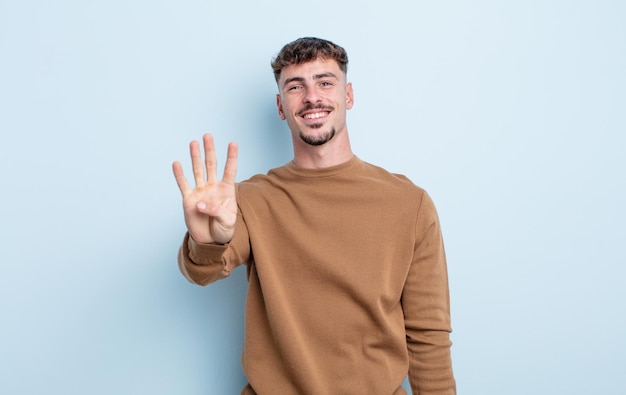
x=324, y=172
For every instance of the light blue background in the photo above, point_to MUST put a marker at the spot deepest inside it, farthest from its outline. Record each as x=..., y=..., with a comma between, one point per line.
x=510, y=113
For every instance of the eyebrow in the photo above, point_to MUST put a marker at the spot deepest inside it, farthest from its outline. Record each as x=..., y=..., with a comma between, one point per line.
x=315, y=77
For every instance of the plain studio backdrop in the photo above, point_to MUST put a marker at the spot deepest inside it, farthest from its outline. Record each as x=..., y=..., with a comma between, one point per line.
x=510, y=113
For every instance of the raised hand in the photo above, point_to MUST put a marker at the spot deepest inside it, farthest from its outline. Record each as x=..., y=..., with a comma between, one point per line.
x=211, y=207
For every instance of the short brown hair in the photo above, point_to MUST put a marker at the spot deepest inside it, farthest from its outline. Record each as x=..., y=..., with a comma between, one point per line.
x=308, y=49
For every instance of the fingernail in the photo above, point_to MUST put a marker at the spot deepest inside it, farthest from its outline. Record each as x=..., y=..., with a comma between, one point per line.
x=201, y=206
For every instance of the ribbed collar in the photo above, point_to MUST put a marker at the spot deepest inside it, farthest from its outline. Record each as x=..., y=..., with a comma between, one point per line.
x=325, y=172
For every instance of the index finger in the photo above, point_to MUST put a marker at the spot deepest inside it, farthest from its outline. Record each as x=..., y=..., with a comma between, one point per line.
x=230, y=169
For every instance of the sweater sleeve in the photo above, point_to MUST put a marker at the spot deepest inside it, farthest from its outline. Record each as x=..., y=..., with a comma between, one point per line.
x=426, y=306
x=203, y=264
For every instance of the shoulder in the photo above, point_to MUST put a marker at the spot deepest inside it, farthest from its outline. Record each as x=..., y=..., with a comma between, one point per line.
x=261, y=184
x=389, y=179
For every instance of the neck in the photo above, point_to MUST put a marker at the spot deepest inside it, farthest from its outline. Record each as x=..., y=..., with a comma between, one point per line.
x=334, y=152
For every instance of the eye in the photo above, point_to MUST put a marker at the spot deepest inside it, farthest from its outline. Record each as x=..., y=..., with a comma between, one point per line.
x=325, y=84
x=294, y=88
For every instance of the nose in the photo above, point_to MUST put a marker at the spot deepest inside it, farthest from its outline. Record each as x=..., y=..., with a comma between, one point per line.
x=312, y=95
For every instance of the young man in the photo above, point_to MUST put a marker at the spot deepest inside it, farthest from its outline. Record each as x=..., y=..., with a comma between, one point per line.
x=348, y=288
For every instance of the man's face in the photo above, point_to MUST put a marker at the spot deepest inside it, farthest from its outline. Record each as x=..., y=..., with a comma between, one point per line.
x=313, y=98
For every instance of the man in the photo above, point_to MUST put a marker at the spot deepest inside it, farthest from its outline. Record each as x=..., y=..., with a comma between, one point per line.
x=348, y=287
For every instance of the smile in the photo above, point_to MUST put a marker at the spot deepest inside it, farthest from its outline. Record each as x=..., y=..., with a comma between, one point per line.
x=315, y=115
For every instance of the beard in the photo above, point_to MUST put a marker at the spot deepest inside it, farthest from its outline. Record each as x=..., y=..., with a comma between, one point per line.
x=318, y=139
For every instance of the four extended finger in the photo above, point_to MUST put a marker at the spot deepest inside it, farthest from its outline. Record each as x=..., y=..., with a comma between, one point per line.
x=206, y=172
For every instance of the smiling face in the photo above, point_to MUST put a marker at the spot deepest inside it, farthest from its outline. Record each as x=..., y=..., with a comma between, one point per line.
x=313, y=98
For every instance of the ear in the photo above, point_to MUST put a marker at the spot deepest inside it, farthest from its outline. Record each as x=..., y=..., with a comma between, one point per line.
x=349, y=96
x=279, y=105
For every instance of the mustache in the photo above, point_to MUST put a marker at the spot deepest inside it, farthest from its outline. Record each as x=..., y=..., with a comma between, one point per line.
x=310, y=107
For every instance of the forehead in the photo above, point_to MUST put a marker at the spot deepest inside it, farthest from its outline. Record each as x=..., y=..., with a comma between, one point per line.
x=310, y=70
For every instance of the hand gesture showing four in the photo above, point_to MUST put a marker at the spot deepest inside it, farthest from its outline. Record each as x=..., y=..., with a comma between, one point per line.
x=211, y=207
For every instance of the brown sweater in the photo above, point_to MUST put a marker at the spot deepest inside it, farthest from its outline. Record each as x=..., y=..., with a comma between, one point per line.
x=348, y=286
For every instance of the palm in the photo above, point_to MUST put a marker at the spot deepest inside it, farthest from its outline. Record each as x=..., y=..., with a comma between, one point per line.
x=211, y=207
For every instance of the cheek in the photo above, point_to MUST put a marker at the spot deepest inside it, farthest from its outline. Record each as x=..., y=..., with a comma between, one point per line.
x=288, y=109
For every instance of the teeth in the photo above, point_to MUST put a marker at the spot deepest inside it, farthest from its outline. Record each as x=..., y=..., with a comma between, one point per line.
x=315, y=115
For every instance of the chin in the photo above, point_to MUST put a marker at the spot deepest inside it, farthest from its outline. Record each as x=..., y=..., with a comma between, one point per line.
x=318, y=139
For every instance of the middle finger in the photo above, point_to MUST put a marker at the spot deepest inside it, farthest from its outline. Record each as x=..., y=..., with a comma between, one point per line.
x=210, y=159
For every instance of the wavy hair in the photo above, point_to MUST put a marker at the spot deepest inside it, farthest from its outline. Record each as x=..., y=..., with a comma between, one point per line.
x=308, y=49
